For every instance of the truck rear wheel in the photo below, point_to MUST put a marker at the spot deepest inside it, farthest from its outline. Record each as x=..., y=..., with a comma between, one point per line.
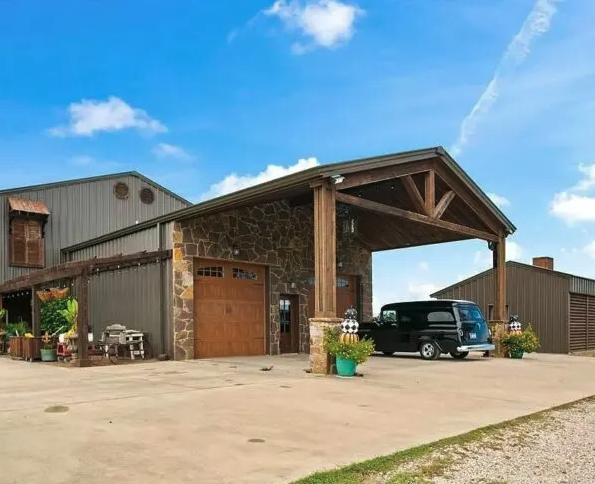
x=459, y=356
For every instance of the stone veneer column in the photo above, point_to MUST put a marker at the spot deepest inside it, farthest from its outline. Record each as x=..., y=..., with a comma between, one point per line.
x=183, y=257
x=320, y=360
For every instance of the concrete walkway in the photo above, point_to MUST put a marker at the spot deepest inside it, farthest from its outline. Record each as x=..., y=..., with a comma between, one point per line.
x=226, y=421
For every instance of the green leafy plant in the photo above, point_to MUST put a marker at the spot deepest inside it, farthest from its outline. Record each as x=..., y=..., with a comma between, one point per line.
x=52, y=320
x=71, y=315
x=527, y=341
x=2, y=314
x=16, y=329
x=358, y=351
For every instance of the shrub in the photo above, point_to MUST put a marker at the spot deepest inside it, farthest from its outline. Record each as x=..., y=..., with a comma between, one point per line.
x=527, y=341
x=52, y=320
x=358, y=351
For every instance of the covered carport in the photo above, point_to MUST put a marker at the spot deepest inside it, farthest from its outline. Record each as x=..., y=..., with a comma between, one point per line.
x=405, y=200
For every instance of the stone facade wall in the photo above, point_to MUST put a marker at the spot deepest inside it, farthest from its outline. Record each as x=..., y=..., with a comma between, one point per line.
x=275, y=234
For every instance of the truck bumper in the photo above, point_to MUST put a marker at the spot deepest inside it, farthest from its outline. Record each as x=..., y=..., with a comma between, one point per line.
x=481, y=347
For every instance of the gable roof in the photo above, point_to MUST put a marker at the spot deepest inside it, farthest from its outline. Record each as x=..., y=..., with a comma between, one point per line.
x=109, y=176
x=300, y=182
x=510, y=263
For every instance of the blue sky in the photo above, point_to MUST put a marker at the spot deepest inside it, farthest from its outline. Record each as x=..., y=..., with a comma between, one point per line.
x=210, y=96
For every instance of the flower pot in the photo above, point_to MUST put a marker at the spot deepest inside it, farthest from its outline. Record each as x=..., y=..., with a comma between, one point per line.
x=345, y=367
x=48, y=355
x=516, y=353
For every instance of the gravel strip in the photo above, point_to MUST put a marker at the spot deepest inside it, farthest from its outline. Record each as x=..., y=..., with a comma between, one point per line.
x=558, y=448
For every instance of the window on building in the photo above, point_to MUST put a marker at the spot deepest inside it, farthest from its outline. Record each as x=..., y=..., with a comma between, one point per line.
x=239, y=273
x=26, y=242
x=214, y=271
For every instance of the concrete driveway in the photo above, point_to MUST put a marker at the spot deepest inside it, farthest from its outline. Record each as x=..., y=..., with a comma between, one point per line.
x=226, y=421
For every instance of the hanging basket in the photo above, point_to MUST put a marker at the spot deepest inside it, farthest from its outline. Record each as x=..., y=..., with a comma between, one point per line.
x=60, y=293
x=45, y=296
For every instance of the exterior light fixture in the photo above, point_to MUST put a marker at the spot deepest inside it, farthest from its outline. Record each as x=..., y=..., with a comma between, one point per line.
x=350, y=226
x=235, y=251
x=338, y=179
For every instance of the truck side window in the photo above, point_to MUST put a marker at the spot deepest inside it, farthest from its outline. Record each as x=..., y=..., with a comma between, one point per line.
x=440, y=317
x=389, y=317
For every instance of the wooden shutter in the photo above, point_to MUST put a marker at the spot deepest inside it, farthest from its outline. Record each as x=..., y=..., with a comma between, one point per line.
x=27, y=245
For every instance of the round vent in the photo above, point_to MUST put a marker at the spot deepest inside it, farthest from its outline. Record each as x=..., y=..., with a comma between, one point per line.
x=147, y=196
x=121, y=190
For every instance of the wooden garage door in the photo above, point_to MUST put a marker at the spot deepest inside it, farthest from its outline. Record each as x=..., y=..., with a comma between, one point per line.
x=582, y=322
x=346, y=295
x=229, y=318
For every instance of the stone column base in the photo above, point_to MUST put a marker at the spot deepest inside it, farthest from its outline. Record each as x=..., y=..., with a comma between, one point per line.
x=499, y=329
x=320, y=360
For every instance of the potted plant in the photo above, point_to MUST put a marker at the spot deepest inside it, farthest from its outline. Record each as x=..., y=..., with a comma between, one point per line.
x=518, y=343
x=348, y=350
x=71, y=315
x=48, y=352
x=15, y=334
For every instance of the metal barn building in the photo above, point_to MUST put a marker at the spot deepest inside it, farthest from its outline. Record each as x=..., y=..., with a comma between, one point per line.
x=559, y=306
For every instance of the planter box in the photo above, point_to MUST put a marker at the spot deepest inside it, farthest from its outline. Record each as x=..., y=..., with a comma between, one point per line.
x=31, y=347
x=16, y=346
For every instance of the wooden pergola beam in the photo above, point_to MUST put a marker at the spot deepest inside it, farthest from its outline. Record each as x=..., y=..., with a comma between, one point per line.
x=384, y=174
x=372, y=206
x=74, y=269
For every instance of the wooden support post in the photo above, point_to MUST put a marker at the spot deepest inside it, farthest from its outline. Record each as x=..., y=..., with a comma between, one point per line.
x=498, y=325
x=35, y=305
x=82, y=286
x=325, y=273
x=325, y=246
x=499, y=263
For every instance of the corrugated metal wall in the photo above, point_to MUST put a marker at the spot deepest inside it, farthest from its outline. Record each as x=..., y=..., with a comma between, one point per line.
x=83, y=211
x=580, y=285
x=130, y=297
x=538, y=297
x=129, y=244
x=582, y=323
x=137, y=297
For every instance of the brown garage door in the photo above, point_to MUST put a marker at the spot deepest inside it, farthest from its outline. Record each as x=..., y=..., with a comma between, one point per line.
x=346, y=295
x=582, y=322
x=228, y=309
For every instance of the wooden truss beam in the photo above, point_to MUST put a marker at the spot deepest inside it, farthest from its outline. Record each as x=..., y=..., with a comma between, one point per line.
x=372, y=206
x=443, y=204
x=383, y=174
x=430, y=192
x=416, y=198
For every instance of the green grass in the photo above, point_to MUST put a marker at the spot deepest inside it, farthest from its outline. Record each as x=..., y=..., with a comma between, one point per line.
x=361, y=472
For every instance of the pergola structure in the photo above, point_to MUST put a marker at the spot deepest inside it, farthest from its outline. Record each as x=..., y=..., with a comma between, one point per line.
x=425, y=198
x=78, y=272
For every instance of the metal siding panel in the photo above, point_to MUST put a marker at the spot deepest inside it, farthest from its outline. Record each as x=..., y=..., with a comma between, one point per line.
x=82, y=211
x=168, y=301
x=137, y=242
x=581, y=285
x=129, y=297
x=538, y=297
x=578, y=322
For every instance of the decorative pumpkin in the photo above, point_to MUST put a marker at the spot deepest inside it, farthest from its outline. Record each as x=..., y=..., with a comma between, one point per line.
x=349, y=338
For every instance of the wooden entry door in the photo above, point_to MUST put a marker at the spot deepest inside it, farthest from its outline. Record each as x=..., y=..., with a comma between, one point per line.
x=229, y=309
x=289, y=337
x=346, y=295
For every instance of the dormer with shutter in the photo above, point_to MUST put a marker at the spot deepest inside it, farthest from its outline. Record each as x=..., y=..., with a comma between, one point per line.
x=26, y=237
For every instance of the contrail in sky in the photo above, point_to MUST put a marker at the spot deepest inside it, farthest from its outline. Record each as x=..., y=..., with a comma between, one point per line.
x=536, y=24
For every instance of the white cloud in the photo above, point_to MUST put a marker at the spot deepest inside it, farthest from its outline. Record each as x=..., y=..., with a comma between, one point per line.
x=499, y=200
x=421, y=290
x=90, y=116
x=234, y=182
x=328, y=23
x=423, y=266
x=484, y=258
x=537, y=23
x=588, y=182
x=165, y=150
x=573, y=208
